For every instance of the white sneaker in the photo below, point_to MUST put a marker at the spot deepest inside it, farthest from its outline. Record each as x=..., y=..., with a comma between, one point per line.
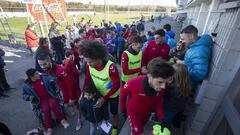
x=79, y=124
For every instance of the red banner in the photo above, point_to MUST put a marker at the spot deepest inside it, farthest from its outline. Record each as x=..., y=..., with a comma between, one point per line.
x=54, y=10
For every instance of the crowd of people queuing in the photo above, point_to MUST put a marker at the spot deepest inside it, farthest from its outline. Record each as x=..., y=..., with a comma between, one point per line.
x=157, y=75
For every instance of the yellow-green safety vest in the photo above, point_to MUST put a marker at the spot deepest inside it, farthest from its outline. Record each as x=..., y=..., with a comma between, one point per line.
x=102, y=78
x=134, y=61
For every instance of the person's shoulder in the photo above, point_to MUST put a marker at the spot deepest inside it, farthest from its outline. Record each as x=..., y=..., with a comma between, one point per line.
x=152, y=42
x=136, y=80
x=113, y=67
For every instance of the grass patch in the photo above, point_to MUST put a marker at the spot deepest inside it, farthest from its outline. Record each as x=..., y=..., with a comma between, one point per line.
x=18, y=24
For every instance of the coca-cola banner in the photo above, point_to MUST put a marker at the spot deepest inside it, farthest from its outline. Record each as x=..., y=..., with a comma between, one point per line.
x=54, y=10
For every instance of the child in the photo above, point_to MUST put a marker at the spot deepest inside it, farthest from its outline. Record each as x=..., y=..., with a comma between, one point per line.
x=119, y=46
x=74, y=49
x=94, y=115
x=177, y=93
x=73, y=83
x=44, y=96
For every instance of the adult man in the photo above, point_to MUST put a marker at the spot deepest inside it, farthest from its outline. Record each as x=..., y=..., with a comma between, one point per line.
x=59, y=75
x=198, y=55
x=105, y=76
x=155, y=48
x=4, y=86
x=44, y=96
x=131, y=60
x=144, y=94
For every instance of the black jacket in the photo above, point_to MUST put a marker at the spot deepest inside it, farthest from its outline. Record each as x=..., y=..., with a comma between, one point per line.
x=2, y=63
x=92, y=114
x=173, y=101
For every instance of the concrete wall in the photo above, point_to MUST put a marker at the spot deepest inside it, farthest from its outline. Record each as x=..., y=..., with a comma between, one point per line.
x=209, y=17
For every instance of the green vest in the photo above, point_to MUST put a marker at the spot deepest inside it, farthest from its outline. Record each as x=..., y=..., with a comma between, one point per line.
x=102, y=78
x=134, y=61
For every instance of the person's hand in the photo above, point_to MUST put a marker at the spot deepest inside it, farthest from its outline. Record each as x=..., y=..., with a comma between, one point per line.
x=80, y=98
x=180, y=61
x=31, y=98
x=144, y=70
x=5, y=69
x=71, y=102
x=99, y=103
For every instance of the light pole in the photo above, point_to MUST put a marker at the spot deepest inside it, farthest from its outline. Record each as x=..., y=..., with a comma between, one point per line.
x=105, y=8
x=128, y=10
x=108, y=9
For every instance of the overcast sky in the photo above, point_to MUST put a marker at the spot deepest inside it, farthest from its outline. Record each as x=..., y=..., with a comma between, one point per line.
x=171, y=3
x=132, y=2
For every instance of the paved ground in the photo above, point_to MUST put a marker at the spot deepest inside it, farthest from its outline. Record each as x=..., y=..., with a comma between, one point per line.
x=15, y=112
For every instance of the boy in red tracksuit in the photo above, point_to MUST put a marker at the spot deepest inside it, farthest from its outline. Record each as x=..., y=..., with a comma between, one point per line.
x=73, y=83
x=74, y=49
x=72, y=78
x=57, y=72
x=44, y=97
x=144, y=94
x=156, y=48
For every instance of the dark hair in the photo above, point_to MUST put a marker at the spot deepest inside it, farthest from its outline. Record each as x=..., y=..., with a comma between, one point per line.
x=90, y=88
x=30, y=72
x=68, y=52
x=30, y=25
x=160, y=32
x=42, y=41
x=43, y=56
x=157, y=67
x=137, y=39
x=149, y=33
x=92, y=50
x=81, y=31
x=167, y=27
x=190, y=29
x=54, y=25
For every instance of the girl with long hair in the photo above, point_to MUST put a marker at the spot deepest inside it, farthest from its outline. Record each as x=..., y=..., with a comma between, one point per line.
x=176, y=94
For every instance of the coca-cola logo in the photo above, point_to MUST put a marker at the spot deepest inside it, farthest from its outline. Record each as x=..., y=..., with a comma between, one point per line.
x=50, y=8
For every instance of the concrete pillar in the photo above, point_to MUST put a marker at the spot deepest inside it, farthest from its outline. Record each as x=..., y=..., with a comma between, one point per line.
x=213, y=3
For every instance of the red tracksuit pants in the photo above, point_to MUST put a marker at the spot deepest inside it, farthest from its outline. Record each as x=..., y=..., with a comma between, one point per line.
x=46, y=107
x=137, y=122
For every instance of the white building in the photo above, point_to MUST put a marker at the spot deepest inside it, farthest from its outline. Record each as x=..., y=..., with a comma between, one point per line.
x=218, y=112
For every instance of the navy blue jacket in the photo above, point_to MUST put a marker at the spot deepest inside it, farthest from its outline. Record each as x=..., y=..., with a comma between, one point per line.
x=94, y=115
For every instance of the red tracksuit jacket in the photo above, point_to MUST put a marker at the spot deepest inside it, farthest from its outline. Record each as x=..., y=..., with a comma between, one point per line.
x=58, y=72
x=138, y=102
x=154, y=50
x=72, y=79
